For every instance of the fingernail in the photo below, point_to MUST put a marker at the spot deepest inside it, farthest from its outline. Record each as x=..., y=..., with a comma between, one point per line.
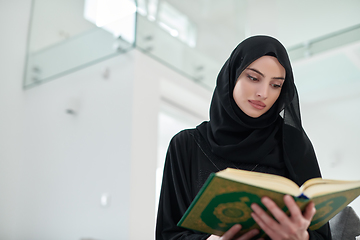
x=238, y=225
x=253, y=206
x=288, y=197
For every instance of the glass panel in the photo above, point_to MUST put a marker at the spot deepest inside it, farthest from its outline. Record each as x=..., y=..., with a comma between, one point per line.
x=325, y=43
x=92, y=30
x=193, y=38
x=176, y=51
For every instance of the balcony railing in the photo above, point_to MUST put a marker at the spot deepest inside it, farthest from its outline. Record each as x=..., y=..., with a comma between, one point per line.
x=58, y=45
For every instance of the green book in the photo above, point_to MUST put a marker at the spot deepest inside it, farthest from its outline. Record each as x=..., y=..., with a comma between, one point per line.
x=226, y=196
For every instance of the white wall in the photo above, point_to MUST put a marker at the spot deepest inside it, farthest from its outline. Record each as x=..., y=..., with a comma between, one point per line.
x=70, y=160
x=55, y=166
x=48, y=30
x=154, y=81
x=14, y=17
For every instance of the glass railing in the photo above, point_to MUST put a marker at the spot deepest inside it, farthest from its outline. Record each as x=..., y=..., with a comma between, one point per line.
x=72, y=54
x=58, y=45
x=159, y=44
x=65, y=53
x=325, y=43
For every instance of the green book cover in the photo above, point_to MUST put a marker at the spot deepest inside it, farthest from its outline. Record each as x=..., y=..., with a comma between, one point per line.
x=224, y=201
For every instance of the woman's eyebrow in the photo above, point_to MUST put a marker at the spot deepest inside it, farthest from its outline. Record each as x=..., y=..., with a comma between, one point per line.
x=257, y=71
x=252, y=69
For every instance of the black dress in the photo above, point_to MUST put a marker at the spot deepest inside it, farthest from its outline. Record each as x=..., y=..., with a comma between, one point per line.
x=187, y=166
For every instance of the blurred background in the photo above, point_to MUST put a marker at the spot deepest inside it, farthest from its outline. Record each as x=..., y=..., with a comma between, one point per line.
x=93, y=90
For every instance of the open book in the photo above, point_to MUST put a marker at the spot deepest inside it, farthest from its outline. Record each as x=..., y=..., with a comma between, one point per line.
x=226, y=196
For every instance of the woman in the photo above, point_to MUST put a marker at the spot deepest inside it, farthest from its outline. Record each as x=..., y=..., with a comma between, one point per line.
x=254, y=87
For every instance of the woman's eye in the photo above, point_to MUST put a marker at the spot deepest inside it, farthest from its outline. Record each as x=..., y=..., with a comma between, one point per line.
x=276, y=85
x=252, y=78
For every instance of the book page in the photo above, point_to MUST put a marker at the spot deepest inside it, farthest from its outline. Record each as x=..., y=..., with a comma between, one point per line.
x=318, y=187
x=263, y=180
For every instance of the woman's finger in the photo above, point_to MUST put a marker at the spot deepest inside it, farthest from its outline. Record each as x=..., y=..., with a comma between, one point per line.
x=231, y=232
x=265, y=221
x=234, y=230
x=249, y=235
x=277, y=212
x=310, y=211
x=294, y=209
x=269, y=231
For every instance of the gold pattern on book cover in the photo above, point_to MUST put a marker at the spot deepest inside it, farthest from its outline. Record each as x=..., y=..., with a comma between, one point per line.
x=228, y=203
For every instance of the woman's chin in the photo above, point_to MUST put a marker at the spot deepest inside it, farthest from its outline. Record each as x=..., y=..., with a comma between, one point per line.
x=254, y=114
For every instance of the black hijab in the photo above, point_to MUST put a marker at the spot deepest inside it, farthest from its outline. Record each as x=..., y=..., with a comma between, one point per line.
x=270, y=139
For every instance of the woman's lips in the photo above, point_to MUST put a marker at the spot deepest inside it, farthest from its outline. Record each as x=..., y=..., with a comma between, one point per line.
x=257, y=104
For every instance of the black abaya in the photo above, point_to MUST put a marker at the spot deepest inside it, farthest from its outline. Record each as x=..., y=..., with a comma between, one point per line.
x=187, y=166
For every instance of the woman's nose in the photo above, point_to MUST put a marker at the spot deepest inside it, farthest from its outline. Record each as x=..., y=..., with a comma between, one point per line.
x=262, y=91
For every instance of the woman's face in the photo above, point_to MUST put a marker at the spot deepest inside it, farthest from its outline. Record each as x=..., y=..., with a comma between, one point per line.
x=259, y=86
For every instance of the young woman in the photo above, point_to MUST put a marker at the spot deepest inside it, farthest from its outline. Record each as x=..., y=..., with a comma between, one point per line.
x=254, y=125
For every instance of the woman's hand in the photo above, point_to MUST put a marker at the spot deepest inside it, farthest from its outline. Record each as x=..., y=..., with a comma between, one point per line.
x=232, y=232
x=292, y=227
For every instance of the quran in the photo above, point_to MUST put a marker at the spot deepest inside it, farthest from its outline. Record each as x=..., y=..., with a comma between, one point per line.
x=226, y=196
